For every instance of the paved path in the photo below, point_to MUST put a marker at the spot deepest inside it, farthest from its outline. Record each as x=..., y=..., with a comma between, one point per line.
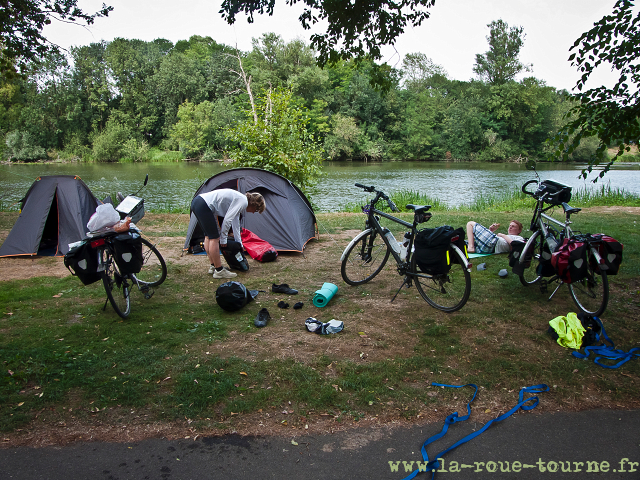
x=527, y=442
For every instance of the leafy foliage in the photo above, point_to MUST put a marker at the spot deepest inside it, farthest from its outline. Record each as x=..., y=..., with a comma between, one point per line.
x=501, y=64
x=22, y=21
x=21, y=146
x=355, y=29
x=611, y=114
x=278, y=141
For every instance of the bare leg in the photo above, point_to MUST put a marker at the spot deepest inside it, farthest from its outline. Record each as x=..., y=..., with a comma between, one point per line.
x=212, y=247
x=471, y=247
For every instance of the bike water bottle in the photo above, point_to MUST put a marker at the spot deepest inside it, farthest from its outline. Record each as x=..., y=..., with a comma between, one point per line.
x=405, y=246
x=392, y=241
x=552, y=242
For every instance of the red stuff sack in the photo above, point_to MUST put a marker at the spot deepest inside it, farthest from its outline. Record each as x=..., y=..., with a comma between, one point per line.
x=258, y=249
x=570, y=260
x=611, y=252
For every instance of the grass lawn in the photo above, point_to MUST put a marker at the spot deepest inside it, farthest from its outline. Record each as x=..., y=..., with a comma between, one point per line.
x=179, y=365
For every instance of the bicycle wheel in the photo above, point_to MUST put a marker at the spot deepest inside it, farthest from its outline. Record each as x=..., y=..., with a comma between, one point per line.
x=364, y=258
x=118, y=287
x=591, y=294
x=154, y=268
x=531, y=255
x=447, y=292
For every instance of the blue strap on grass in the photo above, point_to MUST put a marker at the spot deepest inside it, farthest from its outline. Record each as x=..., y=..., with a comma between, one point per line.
x=433, y=465
x=610, y=352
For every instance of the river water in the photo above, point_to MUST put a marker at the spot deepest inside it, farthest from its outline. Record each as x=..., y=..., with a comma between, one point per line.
x=173, y=184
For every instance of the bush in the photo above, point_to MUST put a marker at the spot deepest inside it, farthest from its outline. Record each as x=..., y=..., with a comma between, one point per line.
x=109, y=145
x=22, y=148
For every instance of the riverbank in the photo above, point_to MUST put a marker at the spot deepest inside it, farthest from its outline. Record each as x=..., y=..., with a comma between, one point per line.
x=181, y=366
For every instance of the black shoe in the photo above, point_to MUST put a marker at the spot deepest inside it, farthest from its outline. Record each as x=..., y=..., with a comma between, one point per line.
x=298, y=306
x=282, y=304
x=262, y=318
x=284, y=288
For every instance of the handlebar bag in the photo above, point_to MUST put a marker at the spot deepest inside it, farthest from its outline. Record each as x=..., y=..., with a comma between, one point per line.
x=610, y=250
x=128, y=252
x=82, y=261
x=432, y=249
x=570, y=260
x=557, y=193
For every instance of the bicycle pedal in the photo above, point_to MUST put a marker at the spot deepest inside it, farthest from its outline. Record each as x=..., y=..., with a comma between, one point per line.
x=148, y=295
x=543, y=286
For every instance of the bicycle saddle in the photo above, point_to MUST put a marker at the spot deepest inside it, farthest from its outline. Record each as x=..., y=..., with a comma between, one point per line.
x=569, y=209
x=419, y=208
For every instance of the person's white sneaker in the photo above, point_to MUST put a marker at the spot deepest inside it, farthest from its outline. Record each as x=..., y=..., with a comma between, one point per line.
x=224, y=274
x=212, y=269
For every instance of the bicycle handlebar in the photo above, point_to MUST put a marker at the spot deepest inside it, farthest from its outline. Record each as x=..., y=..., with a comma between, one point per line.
x=380, y=194
x=365, y=188
x=524, y=187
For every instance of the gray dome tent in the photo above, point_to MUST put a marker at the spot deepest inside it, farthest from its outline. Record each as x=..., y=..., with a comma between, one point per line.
x=287, y=224
x=55, y=212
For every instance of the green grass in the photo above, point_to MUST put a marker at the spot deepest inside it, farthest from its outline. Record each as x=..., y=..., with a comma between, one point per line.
x=59, y=349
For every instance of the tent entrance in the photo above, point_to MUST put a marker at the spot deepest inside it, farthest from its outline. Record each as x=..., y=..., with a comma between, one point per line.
x=49, y=242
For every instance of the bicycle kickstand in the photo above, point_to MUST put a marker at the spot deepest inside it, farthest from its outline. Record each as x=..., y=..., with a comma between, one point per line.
x=406, y=282
x=554, y=292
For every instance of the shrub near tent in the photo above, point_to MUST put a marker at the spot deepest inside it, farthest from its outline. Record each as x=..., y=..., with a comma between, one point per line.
x=54, y=213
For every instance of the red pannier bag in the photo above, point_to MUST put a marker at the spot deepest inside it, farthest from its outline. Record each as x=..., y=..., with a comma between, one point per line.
x=570, y=260
x=257, y=248
x=611, y=252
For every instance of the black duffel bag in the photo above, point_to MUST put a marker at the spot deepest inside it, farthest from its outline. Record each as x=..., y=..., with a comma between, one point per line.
x=234, y=256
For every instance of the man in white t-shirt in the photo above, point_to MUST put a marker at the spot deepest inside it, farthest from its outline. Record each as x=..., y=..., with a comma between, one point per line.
x=485, y=240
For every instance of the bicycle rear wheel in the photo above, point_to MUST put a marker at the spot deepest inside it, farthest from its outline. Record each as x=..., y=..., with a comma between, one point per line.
x=529, y=260
x=154, y=268
x=447, y=292
x=364, y=258
x=117, y=286
x=591, y=294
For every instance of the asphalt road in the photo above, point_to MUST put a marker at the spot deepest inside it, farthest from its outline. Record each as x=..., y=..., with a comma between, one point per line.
x=602, y=444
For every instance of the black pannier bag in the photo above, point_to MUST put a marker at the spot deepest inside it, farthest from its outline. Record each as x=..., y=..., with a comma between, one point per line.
x=545, y=268
x=432, y=249
x=611, y=252
x=232, y=296
x=234, y=256
x=82, y=262
x=458, y=240
x=514, y=255
x=128, y=252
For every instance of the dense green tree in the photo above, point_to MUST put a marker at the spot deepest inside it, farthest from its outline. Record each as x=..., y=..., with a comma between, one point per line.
x=501, y=63
x=279, y=141
x=21, y=24
x=609, y=114
x=201, y=127
x=354, y=29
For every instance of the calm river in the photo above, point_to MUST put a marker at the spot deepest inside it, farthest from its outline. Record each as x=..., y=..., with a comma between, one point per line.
x=173, y=184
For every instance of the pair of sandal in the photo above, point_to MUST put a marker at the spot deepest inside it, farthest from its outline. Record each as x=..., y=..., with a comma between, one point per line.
x=263, y=315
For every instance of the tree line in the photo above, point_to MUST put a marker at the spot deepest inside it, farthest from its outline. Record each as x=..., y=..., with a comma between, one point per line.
x=129, y=99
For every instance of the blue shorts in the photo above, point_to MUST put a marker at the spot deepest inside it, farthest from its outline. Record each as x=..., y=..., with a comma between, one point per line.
x=206, y=217
x=485, y=240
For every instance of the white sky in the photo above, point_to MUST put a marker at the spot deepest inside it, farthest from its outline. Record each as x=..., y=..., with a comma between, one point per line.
x=454, y=34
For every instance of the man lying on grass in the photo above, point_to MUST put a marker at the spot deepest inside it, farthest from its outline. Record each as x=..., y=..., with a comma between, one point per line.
x=485, y=240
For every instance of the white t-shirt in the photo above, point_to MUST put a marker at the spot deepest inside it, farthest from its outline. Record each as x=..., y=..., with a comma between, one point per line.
x=502, y=246
x=229, y=204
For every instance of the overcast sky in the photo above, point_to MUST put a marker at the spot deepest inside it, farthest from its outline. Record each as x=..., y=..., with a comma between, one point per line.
x=454, y=34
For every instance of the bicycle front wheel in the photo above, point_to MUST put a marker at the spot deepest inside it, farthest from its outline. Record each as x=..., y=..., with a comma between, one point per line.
x=364, y=258
x=529, y=260
x=117, y=286
x=449, y=291
x=154, y=268
x=591, y=294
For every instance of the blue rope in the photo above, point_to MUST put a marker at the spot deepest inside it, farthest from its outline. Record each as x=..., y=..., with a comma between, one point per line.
x=433, y=465
x=610, y=352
